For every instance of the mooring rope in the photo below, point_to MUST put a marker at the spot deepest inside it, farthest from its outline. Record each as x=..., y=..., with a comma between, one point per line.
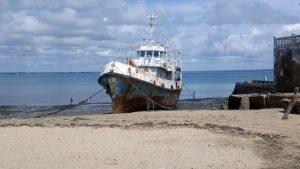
x=189, y=92
x=85, y=101
x=153, y=101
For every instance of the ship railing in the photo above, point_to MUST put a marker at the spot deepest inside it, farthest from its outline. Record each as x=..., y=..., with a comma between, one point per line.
x=163, y=63
x=173, y=57
x=287, y=41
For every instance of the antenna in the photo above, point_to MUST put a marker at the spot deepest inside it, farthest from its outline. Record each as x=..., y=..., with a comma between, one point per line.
x=151, y=17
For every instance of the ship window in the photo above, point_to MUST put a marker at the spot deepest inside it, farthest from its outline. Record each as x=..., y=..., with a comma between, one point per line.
x=156, y=54
x=149, y=54
x=161, y=54
x=142, y=53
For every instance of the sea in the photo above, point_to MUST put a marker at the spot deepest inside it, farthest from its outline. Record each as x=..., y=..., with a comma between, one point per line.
x=31, y=94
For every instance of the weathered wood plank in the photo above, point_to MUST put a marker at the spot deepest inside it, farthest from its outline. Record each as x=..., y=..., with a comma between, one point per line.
x=291, y=105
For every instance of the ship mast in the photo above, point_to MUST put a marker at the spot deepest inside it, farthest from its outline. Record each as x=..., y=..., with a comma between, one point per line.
x=151, y=17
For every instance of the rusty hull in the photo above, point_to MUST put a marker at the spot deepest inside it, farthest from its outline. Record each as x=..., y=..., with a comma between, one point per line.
x=130, y=94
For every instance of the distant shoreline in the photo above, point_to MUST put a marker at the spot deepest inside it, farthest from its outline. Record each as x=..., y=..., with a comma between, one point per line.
x=99, y=71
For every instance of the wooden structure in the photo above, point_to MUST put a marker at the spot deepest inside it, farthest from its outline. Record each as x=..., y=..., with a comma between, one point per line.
x=292, y=103
x=254, y=86
x=286, y=63
x=264, y=100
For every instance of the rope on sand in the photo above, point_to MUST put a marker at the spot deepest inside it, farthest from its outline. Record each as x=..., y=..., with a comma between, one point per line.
x=83, y=102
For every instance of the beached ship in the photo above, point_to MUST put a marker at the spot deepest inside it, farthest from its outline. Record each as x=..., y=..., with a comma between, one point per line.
x=150, y=80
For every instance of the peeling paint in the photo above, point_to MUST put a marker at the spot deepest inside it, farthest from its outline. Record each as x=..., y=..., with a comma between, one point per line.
x=130, y=94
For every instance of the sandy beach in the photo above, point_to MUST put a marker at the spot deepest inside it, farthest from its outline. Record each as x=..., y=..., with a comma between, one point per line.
x=155, y=139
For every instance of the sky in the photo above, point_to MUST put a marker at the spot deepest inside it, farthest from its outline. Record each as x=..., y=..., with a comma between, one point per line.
x=75, y=35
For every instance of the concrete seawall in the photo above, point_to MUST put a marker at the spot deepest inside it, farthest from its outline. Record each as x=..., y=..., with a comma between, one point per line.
x=260, y=101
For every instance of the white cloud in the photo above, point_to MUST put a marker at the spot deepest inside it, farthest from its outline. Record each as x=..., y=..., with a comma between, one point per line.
x=255, y=31
x=291, y=28
x=212, y=34
x=105, y=19
x=67, y=18
x=21, y=22
x=105, y=53
x=2, y=57
x=237, y=44
x=253, y=12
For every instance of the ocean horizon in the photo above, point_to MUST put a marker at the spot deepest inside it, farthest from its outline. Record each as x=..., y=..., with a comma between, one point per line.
x=65, y=72
x=57, y=88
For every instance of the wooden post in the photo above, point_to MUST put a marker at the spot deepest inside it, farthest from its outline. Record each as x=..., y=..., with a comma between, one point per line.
x=291, y=105
x=245, y=103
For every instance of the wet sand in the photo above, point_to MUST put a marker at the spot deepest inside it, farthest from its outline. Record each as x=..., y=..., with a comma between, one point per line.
x=28, y=111
x=155, y=139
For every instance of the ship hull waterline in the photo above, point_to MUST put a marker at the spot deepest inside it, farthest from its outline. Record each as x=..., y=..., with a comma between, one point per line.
x=130, y=94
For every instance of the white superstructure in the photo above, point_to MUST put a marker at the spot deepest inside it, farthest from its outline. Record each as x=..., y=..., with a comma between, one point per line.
x=154, y=63
x=152, y=76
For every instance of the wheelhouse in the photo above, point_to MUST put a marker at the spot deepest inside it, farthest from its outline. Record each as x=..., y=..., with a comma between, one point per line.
x=151, y=53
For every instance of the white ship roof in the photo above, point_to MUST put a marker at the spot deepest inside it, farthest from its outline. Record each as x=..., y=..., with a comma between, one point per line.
x=151, y=47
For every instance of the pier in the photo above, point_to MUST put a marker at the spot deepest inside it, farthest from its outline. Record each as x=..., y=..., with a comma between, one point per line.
x=272, y=94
